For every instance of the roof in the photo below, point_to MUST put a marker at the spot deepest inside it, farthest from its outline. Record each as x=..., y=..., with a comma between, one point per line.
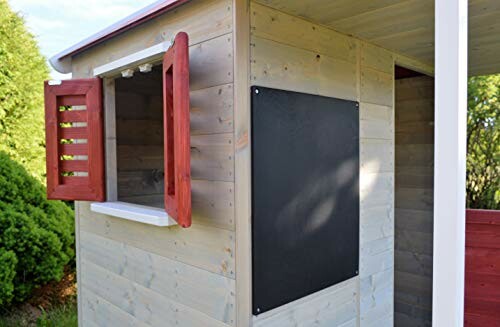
x=62, y=61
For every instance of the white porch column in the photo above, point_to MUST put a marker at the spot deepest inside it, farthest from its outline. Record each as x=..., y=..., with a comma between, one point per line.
x=450, y=155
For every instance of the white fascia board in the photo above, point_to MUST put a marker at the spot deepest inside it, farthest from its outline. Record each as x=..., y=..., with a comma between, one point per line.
x=134, y=212
x=148, y=55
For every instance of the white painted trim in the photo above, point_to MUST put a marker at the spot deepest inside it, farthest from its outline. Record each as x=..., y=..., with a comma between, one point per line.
x=133, y=60
x=134, y=212
x=110, y=139
x=449, y=162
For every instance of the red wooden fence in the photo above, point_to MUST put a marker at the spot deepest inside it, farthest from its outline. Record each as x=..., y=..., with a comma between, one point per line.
x=482, y=268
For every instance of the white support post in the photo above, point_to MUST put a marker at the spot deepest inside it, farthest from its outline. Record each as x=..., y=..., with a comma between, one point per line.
x=450, y=158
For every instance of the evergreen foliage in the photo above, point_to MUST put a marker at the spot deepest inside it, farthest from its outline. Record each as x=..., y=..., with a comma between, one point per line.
x=36, y=238
x=22, y=72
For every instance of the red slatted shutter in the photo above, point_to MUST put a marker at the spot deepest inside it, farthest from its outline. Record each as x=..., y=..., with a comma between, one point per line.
x=176, y=131
x=74, y=140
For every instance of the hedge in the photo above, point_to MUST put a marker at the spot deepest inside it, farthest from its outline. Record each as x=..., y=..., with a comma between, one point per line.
x=36, y=235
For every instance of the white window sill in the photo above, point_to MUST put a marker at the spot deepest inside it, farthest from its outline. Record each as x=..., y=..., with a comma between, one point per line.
x=134, y=212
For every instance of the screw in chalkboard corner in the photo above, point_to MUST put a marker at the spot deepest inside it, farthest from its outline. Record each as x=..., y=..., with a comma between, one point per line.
x=256, y=91
x=357, y=272
x=258, y=310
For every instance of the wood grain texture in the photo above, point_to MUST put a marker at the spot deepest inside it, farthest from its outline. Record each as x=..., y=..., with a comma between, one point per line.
x=482, y=268
x=414, y=200
x=96, y=311
x=276, y=26
x=86, y=115
x=277, y=65
x=202, y=20
x=204, y=291
x=176, y=133
x=333, y=306
x=242, y=163
x=311, y=59
x=404, y=27
x=290, y=53
x=212, y=110
x=204, y=247
x=209, y=25
x=142, y=303
x=376, y=93
x=211, y=157
x=213, y=201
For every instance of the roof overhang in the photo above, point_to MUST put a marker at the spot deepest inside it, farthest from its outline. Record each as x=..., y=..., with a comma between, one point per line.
x=403, y=26
x=62, y=61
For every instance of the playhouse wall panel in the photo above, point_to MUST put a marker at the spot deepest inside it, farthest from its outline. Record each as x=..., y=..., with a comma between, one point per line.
x=144, y=304
x=141, y=274
x=203, y=290
x=103, y=313
x=125, y=259
x=204, y=247
x=414, y=200
x=290, y=53
x=171, y=263
x=294, y=69
x=202, y=20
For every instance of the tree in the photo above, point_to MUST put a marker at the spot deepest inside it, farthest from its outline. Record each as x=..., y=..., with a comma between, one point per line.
x=22, y=72
x=483, y=143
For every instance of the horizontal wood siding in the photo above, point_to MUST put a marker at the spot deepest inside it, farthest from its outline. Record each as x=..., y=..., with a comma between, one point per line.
x=133, y=274
x=414, y=201
x=290, y=53
x=137, y=274
x=482, y=268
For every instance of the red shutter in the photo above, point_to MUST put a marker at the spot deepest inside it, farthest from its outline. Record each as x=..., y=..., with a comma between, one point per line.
x=74, y=140
x=176, y=131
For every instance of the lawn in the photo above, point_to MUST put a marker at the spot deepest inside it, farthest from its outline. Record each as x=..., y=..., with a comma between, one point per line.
x=52, y=305
x=64, y=315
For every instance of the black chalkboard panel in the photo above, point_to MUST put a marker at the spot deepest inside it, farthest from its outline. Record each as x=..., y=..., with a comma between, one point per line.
x=305, y=194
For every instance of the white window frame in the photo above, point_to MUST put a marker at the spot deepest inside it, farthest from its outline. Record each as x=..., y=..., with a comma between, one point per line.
x=112, y=207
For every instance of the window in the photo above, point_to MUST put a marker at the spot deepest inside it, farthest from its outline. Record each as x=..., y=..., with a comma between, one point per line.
x=147, y=136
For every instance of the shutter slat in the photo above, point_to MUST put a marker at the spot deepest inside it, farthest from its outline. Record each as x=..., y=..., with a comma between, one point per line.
x=74, y=149
x=72, y=116
x=73, y=133
x=71, y=100
x=74, y=165
x=75, y=180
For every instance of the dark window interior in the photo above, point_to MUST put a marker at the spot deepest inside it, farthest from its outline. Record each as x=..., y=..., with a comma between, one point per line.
x=139, y=138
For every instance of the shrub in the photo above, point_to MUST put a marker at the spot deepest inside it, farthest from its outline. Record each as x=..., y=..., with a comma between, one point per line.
x=36, y=235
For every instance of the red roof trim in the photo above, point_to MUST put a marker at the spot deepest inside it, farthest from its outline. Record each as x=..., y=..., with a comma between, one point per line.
x=137, y=18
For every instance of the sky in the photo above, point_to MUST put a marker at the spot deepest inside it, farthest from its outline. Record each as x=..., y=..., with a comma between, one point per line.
x=58, y=24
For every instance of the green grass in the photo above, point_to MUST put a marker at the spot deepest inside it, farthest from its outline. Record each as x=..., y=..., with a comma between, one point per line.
x=60, y=316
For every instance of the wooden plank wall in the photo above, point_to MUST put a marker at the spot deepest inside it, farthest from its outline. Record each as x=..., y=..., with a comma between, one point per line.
x=414, y=200
x=137, y=274
x=293, y=54
x=482, y=268
x=139, y=138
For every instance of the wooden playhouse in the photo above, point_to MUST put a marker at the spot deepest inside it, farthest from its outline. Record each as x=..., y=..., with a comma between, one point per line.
x=234, y=164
